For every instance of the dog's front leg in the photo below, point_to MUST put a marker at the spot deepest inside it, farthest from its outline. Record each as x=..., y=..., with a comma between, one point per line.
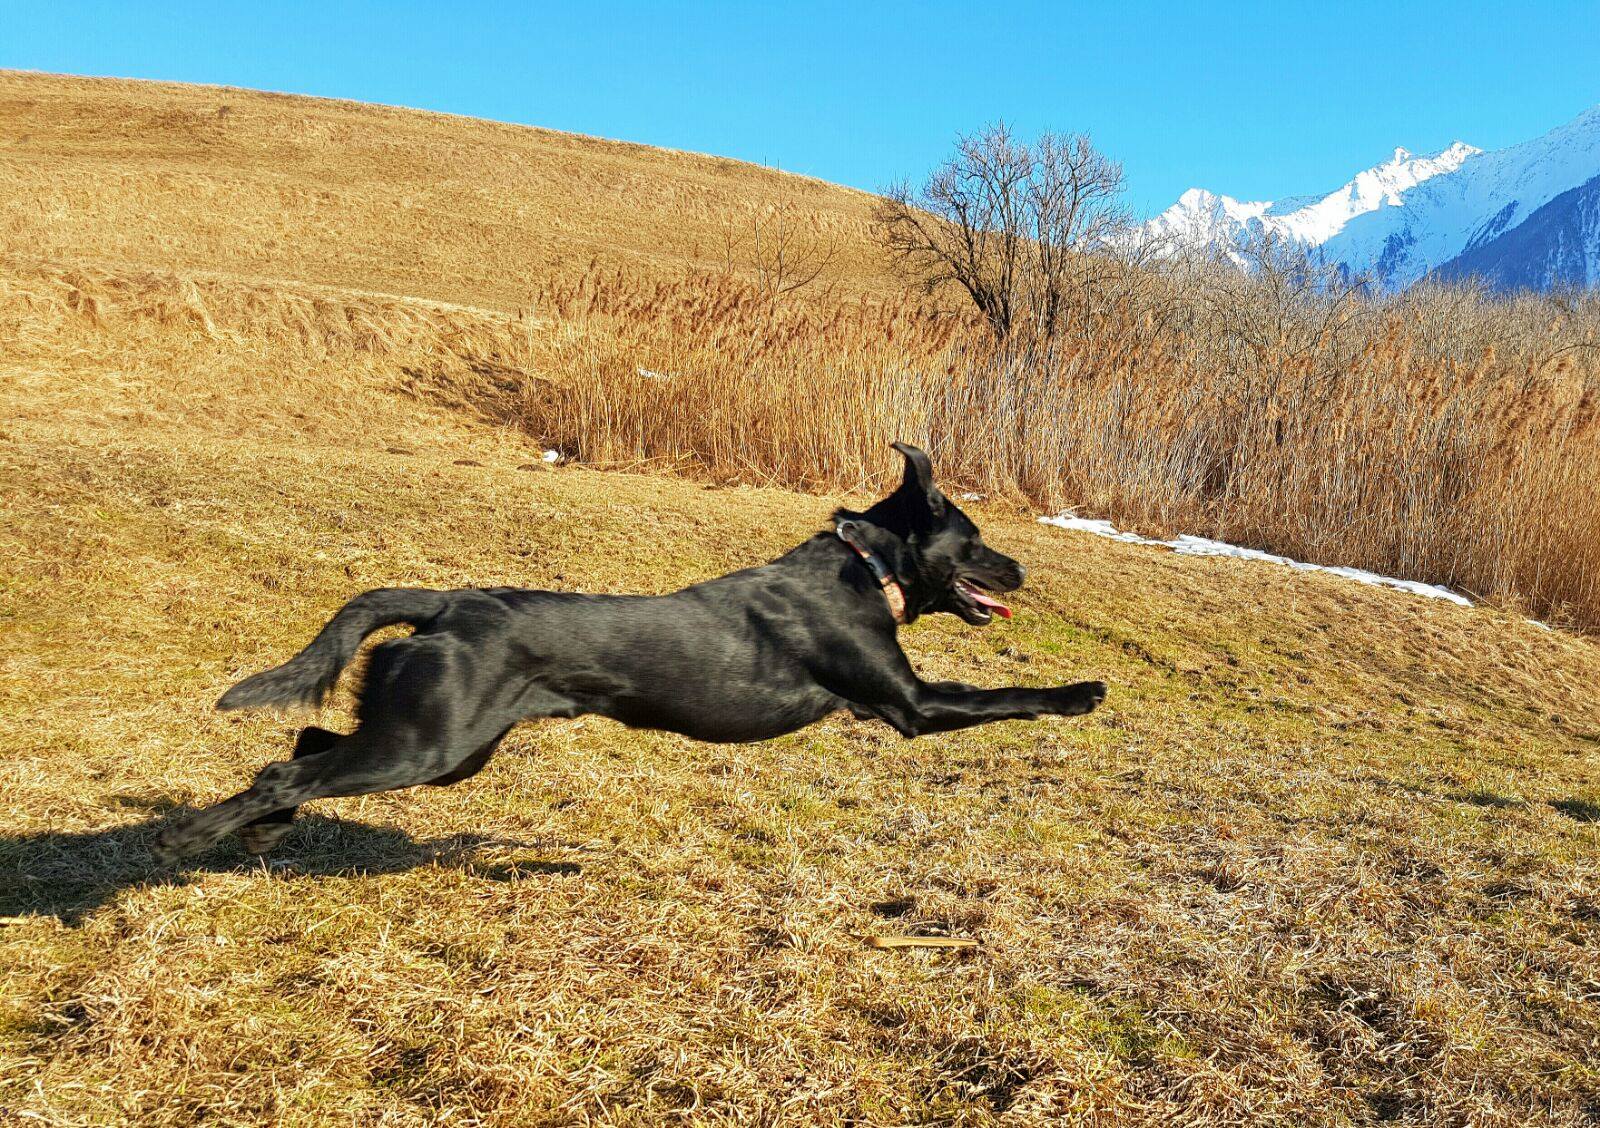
x=881, y=683
x=932, y=708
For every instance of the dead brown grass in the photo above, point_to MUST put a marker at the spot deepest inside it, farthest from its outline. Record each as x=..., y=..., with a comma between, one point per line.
x=1327, y=855
x=1298, y=870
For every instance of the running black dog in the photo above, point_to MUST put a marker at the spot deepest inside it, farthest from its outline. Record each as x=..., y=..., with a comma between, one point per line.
x=749, y=656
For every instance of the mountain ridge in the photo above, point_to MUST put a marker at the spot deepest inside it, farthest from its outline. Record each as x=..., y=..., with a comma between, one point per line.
x=1447, y=214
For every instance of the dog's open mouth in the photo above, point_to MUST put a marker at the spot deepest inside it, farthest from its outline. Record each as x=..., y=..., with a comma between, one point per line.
x=976, y=605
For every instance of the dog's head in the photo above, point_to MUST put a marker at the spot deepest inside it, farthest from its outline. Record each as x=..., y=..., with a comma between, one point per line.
x=934, y=549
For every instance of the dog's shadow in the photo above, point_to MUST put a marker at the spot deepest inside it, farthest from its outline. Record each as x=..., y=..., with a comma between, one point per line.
x=68, y=876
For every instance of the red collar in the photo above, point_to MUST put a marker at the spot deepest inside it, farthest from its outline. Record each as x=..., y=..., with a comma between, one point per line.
x=892, y=591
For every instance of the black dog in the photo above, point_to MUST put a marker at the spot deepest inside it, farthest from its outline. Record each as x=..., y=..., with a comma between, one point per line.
x=749, y=656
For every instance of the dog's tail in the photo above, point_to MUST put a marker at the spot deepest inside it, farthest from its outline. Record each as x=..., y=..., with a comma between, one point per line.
x=306, y=678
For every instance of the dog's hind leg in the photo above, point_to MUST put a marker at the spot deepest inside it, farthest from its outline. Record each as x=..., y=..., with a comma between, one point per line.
x=260, y=836
x=469, y=767
x=421, y=720
x=367, y=761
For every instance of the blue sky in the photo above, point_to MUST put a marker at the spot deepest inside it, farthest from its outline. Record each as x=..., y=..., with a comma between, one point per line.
x=1256, y=100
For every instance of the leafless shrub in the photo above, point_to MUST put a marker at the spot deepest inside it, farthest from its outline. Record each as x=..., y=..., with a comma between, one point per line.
x=780, y=249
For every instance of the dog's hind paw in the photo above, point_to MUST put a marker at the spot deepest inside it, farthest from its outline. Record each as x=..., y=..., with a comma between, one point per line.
x=175, y=842
x=261, y=838
x=162, y=853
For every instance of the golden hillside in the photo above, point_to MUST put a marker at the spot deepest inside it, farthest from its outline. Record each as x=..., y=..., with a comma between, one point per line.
x=276, y=187
x=1329, y=854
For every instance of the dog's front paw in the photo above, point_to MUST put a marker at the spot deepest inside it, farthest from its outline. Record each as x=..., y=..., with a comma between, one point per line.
x=1080, y=697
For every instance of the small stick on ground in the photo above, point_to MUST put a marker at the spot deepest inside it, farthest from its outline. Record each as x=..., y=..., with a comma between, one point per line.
x=919, y=942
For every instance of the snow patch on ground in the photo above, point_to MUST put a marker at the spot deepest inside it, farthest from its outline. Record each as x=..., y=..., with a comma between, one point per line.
x=1204, y=546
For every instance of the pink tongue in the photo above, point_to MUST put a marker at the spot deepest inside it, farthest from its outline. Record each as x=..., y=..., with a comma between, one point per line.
x=994, y=605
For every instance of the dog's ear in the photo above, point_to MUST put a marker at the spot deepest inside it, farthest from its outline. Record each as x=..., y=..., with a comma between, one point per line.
x=918, y=488
x=854, y=529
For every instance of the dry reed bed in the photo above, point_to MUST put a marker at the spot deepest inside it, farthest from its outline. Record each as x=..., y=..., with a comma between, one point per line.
x=1443, y=436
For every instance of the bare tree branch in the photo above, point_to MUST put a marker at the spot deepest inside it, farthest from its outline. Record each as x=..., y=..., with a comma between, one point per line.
x=780, y=251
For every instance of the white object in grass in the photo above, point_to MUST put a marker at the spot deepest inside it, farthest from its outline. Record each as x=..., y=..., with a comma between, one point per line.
x=1204, y=546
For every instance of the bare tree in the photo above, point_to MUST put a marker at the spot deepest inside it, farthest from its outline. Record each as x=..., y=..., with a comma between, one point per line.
x=1015, y=226
x=1073, y=205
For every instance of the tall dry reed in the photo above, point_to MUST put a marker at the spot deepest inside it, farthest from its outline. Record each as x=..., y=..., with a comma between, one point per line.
x=1445, y=435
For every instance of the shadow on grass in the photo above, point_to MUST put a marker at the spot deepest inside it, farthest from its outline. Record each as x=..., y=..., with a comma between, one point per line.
x=1482, y=798
x=68, y=876
x=1581, y=810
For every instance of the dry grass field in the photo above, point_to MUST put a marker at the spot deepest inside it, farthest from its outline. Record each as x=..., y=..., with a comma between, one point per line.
x=1329, y=854
x=272, y=187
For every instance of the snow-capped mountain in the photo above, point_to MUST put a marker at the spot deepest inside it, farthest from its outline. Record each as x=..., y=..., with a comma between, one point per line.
x=1527, y=216
x=1203, y=218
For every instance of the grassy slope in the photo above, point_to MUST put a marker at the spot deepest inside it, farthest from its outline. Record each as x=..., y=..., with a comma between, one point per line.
x=266, y=186
x=1328, y=853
